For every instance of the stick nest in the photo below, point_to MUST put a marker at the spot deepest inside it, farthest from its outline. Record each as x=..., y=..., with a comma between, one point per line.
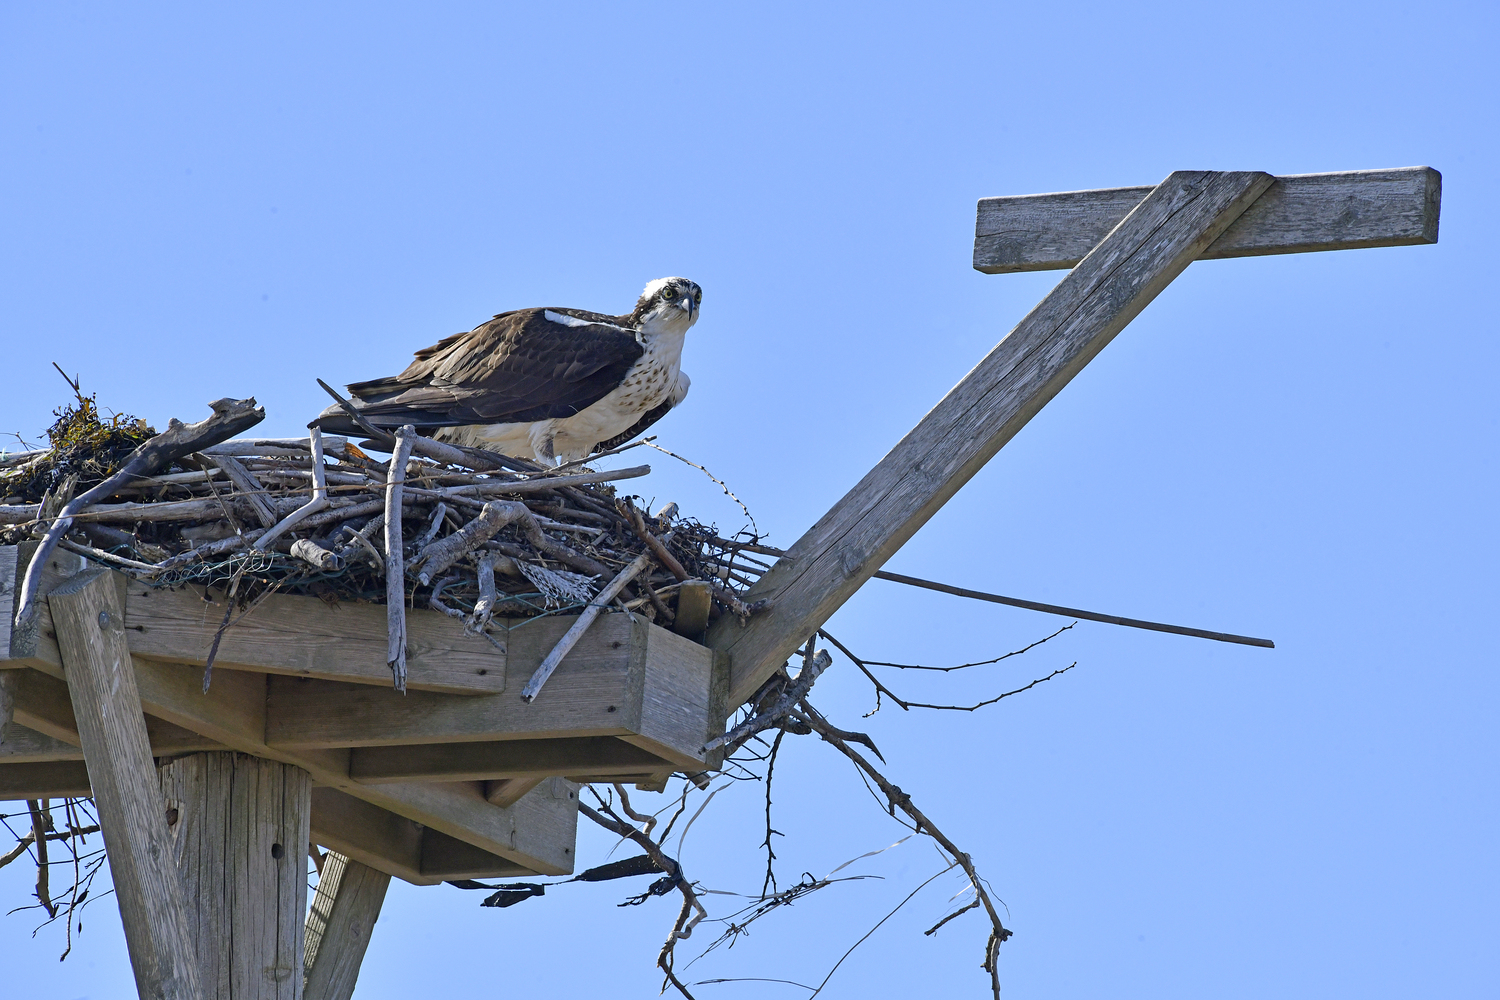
x=197, y=522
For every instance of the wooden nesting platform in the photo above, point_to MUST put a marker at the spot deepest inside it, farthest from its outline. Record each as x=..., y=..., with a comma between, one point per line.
x=459, y=778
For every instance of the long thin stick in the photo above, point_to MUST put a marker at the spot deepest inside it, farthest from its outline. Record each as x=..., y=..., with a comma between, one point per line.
x=1093, y=616
x=568, y=641
x=395, y=571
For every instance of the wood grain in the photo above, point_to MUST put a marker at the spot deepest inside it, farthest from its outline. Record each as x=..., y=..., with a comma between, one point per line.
x=1299, y=213
x=53, y=779
x=610, y=684
x=240, y=839
x=304, y=637
x=1158, y=239
x=89, y=618
x=339, y=924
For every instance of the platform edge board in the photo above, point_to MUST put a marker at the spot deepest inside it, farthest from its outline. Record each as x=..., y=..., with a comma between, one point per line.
x=297, y=636
x=606, y=686
x=1299, y=213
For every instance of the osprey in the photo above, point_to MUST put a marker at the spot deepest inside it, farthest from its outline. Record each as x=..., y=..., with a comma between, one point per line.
x=558, y=384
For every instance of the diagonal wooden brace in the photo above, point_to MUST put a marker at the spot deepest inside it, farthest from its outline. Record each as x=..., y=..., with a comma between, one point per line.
x=89, y=617
x=1169, y=229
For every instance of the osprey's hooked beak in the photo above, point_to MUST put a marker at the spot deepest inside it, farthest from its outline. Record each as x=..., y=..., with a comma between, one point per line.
x=688, y=304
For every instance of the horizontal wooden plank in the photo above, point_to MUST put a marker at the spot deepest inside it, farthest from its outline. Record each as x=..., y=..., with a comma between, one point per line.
x=584, y=755
x=23, y=744
x=397, y=846
x=1300, y=213
x=304, y=637
x=608, y=685
x=535, y=832
x=54, y=779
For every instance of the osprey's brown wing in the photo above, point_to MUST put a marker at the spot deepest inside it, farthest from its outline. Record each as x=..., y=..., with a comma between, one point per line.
x=520, y=366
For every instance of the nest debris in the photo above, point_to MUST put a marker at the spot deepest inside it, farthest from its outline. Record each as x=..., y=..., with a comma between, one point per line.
x=198, y=523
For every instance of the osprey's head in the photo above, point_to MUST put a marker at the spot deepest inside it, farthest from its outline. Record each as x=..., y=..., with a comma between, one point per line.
x=669, y=305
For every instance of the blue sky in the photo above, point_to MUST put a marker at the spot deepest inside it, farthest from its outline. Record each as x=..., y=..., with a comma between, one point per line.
x=202, y=202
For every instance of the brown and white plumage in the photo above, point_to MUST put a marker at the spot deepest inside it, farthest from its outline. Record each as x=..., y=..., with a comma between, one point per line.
x=554, y=383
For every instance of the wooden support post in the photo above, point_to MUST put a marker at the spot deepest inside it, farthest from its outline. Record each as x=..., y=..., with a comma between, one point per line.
x=1169, y=229
x=339, y=924
x=240, y=832
x=89, y=618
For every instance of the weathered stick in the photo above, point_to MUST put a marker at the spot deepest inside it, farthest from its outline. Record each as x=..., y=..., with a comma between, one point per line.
x=539, y=484
x=230, y=416
x=248, y=485
x=1053, y=609
x=569, y=640
x=722, y=594
x=765, y=720
x=395, y=571
x=90, y=621
x=438, y=556
x=318, y=502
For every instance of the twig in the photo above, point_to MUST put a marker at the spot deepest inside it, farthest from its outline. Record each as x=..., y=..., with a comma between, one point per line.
x=605, y=454
x=770, y=879
x=794, y=693
x=41, y=825
x=682, y=927
x=437, y=557
x=230, y=416
x=1054, y=609
x=395, y=574
x=247, y=484
x=570, y=639
x=898, y=799
x=973, y=904
x=722, y=485
x=318, y=502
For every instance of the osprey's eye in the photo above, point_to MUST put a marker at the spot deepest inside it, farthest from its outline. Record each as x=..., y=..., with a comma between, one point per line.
x=669, y=294
x=698, y=297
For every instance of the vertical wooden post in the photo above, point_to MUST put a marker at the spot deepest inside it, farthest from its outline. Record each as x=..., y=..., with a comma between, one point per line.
x=89, y=618
x=343, y=914
x=239, y=828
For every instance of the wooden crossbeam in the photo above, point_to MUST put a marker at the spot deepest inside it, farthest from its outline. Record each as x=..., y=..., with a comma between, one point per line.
x=535, y=835
x=398, y=846
x=581, y=757
x=1168, y=230
x=89, y=618
x=1299, y=213
x=628, y=679
x=339, y=924
x=296, y=636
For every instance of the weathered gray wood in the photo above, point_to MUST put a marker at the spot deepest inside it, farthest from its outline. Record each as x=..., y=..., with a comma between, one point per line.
x=508, y=791
x=45, y=711
x=400, y=847
x=89, y=618
x=9, y=682
x=1300, y=213
x=1093, y=302
x=53, y=779
x=694, y=598
x=537, y=834
x=587, y=756
x=339, y=924
x=302, y=636
x=624, y=678
x=10, y=579
x=25, y=746
x=240, y=832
